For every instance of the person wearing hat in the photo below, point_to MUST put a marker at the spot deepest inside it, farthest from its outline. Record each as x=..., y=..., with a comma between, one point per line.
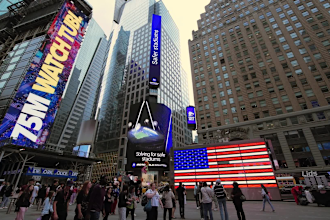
x=221, y=195
x=61, y=203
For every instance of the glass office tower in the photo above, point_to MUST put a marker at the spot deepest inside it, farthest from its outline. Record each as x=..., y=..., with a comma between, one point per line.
x=125, y=81
x=79, y=100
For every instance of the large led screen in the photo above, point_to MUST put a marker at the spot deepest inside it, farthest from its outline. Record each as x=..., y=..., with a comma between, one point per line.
x=247, y=164
x=31, y=114
x=149, y=136
x=155, y=50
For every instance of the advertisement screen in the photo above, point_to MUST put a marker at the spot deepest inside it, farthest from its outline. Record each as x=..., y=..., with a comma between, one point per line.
x=31, y=114
x=155, y=50
x=149, y=136
x=191, y=117
x=247, y=164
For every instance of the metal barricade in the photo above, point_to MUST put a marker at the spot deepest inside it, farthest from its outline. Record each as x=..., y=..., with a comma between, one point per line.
x=11, y=204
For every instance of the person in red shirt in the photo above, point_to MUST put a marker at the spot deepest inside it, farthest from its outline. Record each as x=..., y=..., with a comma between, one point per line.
x=295, y=192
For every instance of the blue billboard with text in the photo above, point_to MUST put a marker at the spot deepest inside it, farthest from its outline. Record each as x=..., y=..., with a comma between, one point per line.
x=191, y=117
x=155, y=50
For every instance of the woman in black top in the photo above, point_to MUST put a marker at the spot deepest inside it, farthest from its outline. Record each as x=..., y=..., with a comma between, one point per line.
x=23, y=202
x=107, y=203
x=61, y=203
x=236, y=196
x=82, y=201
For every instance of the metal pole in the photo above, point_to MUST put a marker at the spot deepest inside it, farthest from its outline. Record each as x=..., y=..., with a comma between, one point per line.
x=2, y=169
x=1, y=156
x=18, y=166
x=20, y=173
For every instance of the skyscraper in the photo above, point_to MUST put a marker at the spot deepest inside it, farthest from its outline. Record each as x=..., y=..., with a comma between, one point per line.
x=79, y=100
x=125, y=81
x=261, y=69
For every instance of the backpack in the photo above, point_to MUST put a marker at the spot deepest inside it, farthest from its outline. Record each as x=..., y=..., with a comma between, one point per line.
x=144, y=200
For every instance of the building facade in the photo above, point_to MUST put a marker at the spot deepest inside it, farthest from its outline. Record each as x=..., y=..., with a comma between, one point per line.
x=125, y=81
x=80, y=98
x=261, y=69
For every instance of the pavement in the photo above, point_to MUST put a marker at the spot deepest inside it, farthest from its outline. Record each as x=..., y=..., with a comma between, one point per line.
x=284, y=210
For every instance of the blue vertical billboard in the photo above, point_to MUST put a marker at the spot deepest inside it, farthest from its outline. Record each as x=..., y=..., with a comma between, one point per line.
x=191, y=117
x=155, y=50
x=32, y=112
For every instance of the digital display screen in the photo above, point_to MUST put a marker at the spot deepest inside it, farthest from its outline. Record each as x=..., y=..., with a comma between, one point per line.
x=155, y=50
x=191, y=117
x=31, y=114
x=149, y=136
x=247, y=164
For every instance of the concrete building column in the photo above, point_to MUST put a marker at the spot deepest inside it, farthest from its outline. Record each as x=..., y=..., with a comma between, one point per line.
x=313, y=147
x=286, y=151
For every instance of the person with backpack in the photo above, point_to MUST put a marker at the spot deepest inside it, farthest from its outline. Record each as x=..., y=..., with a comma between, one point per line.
x=207, y=199
x=265, y=197
x=238, y=199
x=221, y=195
x=47, y=211
x=7, y=193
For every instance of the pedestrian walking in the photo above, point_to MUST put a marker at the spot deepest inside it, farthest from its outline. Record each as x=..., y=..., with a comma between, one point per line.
x=7, y=193
x=54, y=186
x=96, y=199
x=180, y=191
x=238, y=199
x=207, y=198
x=123, y=202
x=173, y=201
x=107, y=203
x=265, y=196
x=83, y=201
x=155, y=202
x=168, y=197
x=42, y=194
x=61, y=202
x=47, y=211
x=214, y=199
x=196, y=196
x=73, y=196
x=130, y=208
x=23, y=202
x=221, y=196
x=2, y=189
x=296, y=192
x=34, y=193
x=200, y=200
x=114, y=194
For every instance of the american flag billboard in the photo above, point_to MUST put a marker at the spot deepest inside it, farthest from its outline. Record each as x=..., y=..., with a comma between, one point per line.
x=248, y=164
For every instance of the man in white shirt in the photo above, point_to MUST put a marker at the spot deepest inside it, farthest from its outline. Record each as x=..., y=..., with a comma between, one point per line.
x=34, y=194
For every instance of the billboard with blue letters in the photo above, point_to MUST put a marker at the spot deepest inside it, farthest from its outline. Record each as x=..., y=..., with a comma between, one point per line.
x=155, y=50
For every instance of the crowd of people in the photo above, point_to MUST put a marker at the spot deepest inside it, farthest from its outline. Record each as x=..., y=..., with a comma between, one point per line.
x=95, y=199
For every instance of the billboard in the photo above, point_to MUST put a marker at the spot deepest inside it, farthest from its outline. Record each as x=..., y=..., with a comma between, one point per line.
x=149, y=136
x=87, y=132
x=33, y=109
x=155, y=50
x=191, y=117
x=248, y=164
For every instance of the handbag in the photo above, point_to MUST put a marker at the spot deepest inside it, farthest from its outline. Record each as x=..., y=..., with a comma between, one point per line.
x=148, y=207
x=242, y=198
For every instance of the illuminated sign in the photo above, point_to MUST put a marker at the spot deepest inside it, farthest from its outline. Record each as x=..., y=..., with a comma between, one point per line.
x=39, y=171
x=34, y=107
x=154, y=71
x=149, y=136
x=248, y=164
x=191, y=117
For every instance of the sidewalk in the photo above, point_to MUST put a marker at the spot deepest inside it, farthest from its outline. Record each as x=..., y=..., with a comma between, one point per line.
x=284, y=210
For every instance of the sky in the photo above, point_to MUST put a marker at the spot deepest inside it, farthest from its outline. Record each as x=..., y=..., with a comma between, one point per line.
x=185, y=14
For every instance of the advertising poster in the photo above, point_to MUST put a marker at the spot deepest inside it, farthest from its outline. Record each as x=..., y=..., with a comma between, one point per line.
x=191, y=117
x=31, y=114
x=155, y=50
x=149, y=136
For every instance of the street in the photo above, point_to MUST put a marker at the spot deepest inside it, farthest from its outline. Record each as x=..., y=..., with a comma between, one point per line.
x=284, y=210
